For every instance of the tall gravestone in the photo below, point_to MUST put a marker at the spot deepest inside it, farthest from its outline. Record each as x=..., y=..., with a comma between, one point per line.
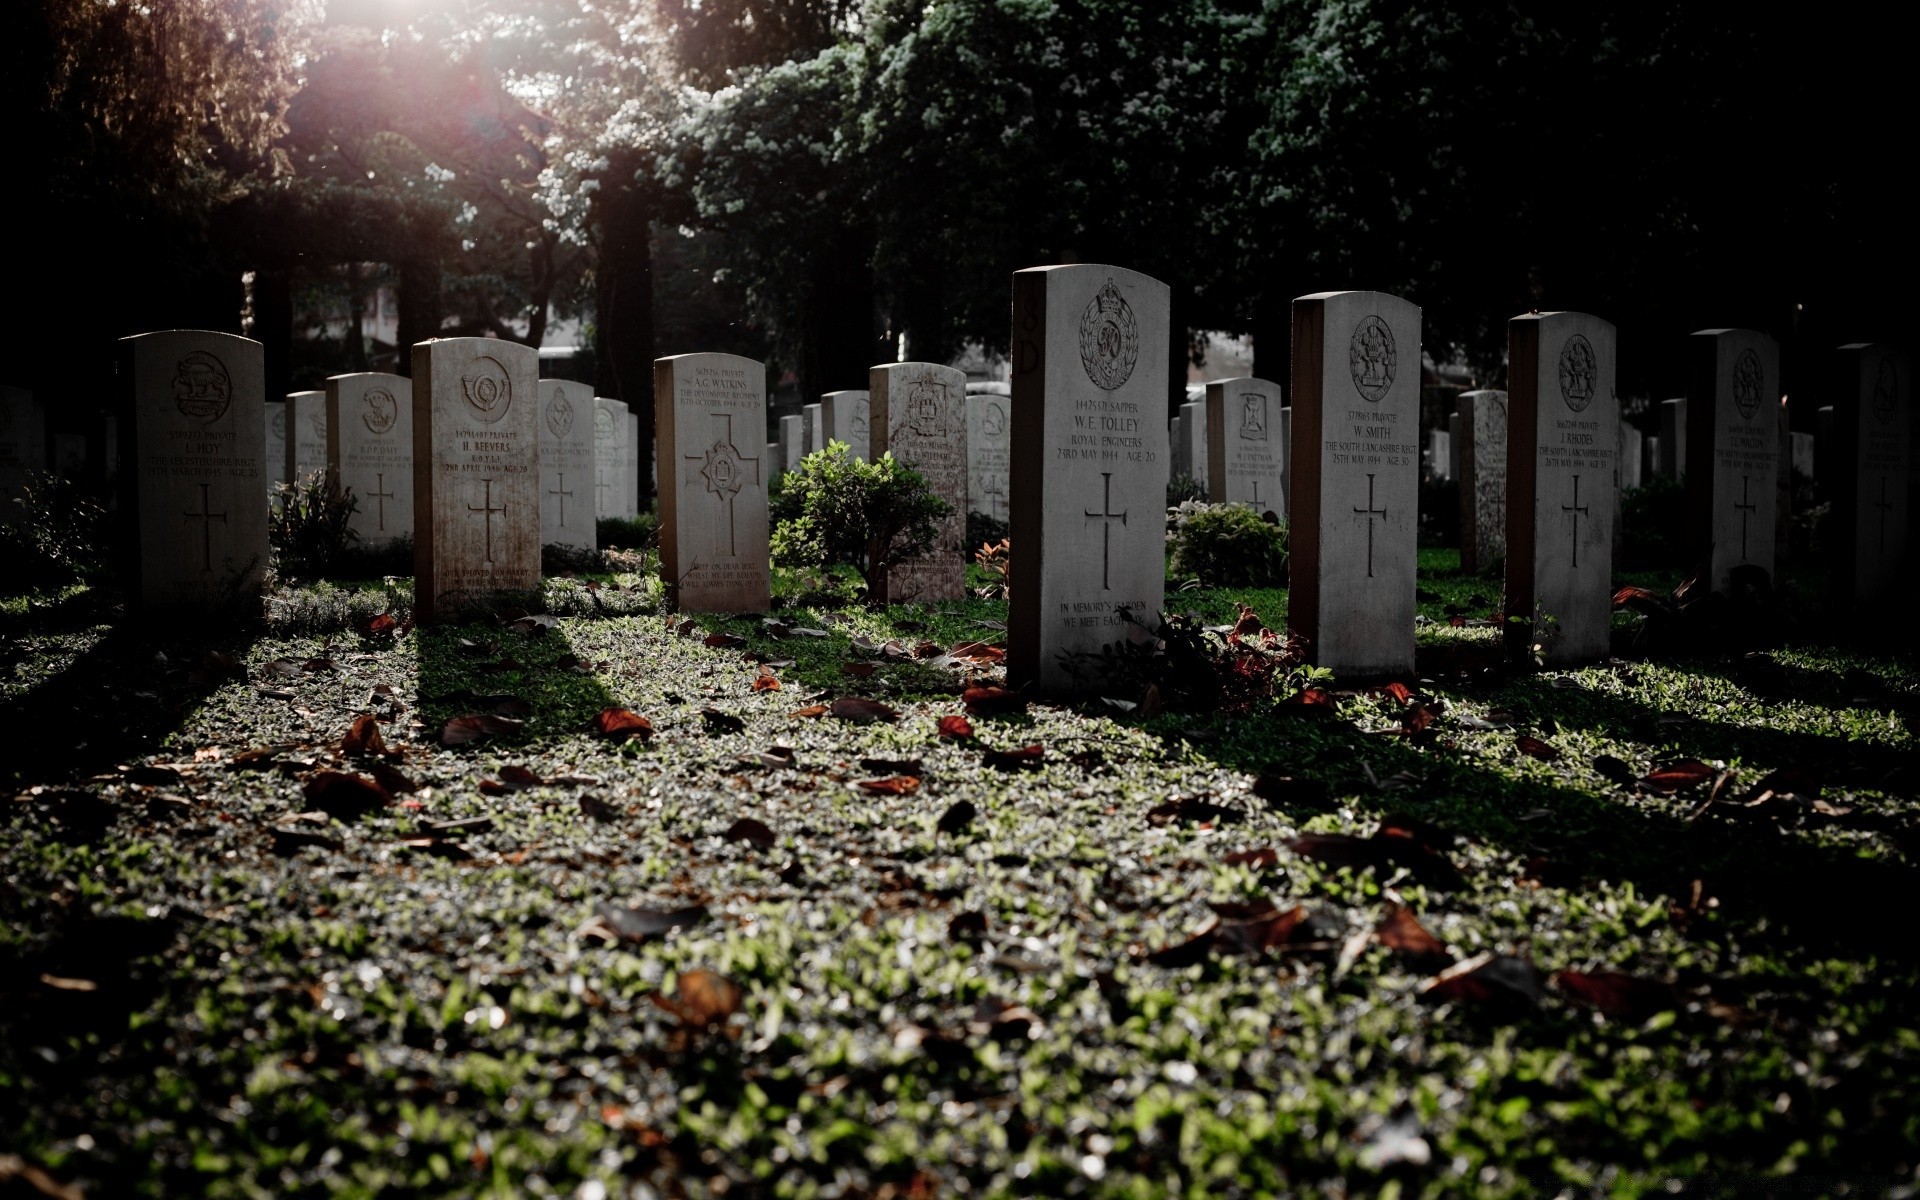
x=1732, y=441
x=198, y=485
x=710, y=412
x=1455, y=439
x=370, y=450
x=633, y=463
x=1650, y=459
x=610, y=458
x=1631, y=460
x=306, y=434
x=1673, y=438
x=1193, y=440
x=793, y=443
x=1873, y=465
x=1440, y=455
x=1177, y=449
x=1356, y=479
x=1483, y=478
x=988, y=426
x=845, y=416
x=23, y=445
x=919, y=415
x=1783, y=487
x=1246, y=451
x=1563, y=451
x=567, y=468
x=476, y=473
x=1089, y=468
x=276, y=426
x=815, y=422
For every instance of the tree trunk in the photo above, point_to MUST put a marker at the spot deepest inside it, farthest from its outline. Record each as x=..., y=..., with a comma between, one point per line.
x=273, y=327
x=623, y=326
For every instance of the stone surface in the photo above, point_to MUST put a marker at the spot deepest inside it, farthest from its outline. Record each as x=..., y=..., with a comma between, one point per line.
x=567, y=470
x=845, y=417
x=23, y=445
x=1439, y=455
x=1177, y=449
x=1803, y=454
x=1650, y=458
x=793, y=443
x=610, y=458
x=198, y=484
x=919, y=413
x=1673, y=438
x=1089, y=468
x=276, y=426
x=1193, y=441
x=710, y=412
x=476, y=474
x=1783, y=488
x=989, y=428
x=1872, y=523
x=633, y=463
x=1632, y=457
x=1483, y=478
x=1733, y=386
x=1246, y=444
x=1563, y=448
x=370, y=450
x=1356, y=480
x=1455, y=439
x=814, y=427
x=306, y=434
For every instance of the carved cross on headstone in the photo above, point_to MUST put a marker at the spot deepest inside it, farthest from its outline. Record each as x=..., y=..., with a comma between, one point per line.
x=1371, y=512
x=488, y=508
x=1885, y=506
x=1747, y=508
x=1256, y=493
x=206, y=519
x=1576, y=510
x=600, y=486
x=381, y=494
x=996, y=497
x=1106, y=516
x=722, y=464
x=561, y=491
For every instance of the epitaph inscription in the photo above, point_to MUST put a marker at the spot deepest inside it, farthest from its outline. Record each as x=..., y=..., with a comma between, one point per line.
x=1245, y=450
x=919, y=416
x=710, y=413
x=1732, y=448
x=370, y=450
x=987, y=459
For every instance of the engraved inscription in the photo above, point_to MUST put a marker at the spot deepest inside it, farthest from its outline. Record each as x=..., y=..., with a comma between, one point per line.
x=1886, y=392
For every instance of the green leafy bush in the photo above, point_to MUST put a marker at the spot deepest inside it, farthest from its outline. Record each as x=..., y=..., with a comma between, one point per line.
x=867, y=515
x=51, y=534
x=628, y=533
x=309, y=530
x=1227, y=545
x=1184, y=489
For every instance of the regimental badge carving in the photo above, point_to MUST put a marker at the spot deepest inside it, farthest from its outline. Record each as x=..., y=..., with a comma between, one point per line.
x=560, y=414
x=488, y=388
x=382, y=410
x=1579, y=372
x=1749, y=381
x=1109, y=339
x=202, y=389
x=602, y=424
x=723, y=470
x=1886, y=392
x=1372, y=358
x=280, y=423
x=927, y=408
x=994, y=420
x=1253, y=417
x=317, y=424
x=860, y=422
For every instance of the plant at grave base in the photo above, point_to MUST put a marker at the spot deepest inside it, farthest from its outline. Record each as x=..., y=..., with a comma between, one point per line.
x=996, y=560
x=1183, y=489
x=1194, y=669
x=628, y=533
x=557, y=559
x=983, y=530
x=1226, y=545
x=50, y=534
x=1693, y=619
x=309, y=529
x=836, y=509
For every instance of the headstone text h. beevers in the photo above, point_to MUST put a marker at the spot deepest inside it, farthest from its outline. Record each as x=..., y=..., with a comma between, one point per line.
x=919, y=415
x=1089, y=450
x=370, y=451
x=476, y=473
x=1356, y=480
x=1246, y=453
x=710, y=416
x=567, y=471
x=1563, y=452
x=1732, y=448
x=1872, y=527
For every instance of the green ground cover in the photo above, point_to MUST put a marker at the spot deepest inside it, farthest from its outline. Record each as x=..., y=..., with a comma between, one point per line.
x=1186, y=952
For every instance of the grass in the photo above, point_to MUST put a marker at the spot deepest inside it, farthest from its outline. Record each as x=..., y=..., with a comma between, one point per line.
x=192, y=1003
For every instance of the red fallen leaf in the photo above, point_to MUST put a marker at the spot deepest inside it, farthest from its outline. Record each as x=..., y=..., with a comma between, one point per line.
x=1638, y=597
x=1025, y=756
x=765, y=681
x=363, y=737
x=1248, y=624
x=1400, y=930
x=474, y=726
x=519, y=776
x=893, y=785
x=1678, y=776
x=1625, y=997
x=978, y=652
x=955, y=727
x=384, y=623
x=1193, y=950
x=1487, y=979
x=1316, y=701
x=1416, y=719
x=853, y=708
x=702, y=999
x=1536, y=748
x=393, y=780
x=1266, y=856
x=811, y=710
x=725, y=641
x=621, y=724
x=859, y=670
x=1262, y=932
x=752, y=831
x=958, y=816
x=1399, y=691
x=343, y=796
x=992, y=701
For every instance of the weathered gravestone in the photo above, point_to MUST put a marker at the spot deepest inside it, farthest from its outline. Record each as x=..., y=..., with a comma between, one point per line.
x=1193, y=441
x=476, y=473
x=1733, y=441
x=276, y=426
x=1246, y=449
x=710, y=412
x=793, y=444
x=1176, y=449
x=1563, y=447
x=1089, y=468
x=988, y=425
x=198, y=487
x=633, y=463
x=1455, y=440
x=610, y=451
x=1650, y=457
x=1632, y=459
x=23, y=446
x=1673, y=438
x=1356, y=479
x=844, y=415
x=1439, y=455
x=306, y=434
x=1873, y=428
x=920, y=417
x=813, y=419
x=1803, y=454
x=370, y=451
x=567, y=468
x=1483, y=478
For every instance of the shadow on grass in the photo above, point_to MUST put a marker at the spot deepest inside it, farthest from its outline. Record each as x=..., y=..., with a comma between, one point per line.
x=529, y=674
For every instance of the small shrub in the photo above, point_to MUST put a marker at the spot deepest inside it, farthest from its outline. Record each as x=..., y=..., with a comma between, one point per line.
x=52, y=534
x=1227, y=545
x=868, y=515
x=1186, y=667
x=996, y=561
x=1184, y=489
x=309, y=530
x=628, y=533
x=556, y=559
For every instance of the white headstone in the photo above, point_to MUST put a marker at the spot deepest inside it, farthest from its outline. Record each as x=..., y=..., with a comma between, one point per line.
x=1631, y=457
x=476, y=476
x=1483, y=478
x=1193, y=440
x=1439, y=455
x=23, y=446
x=370, y=450
x=1733, y=442
x=306, y=434
x=1246, y=449
x=610, y=450
x=276, y=426
x=988, y=425
x=199, y=484
x=1356, y=480
x=815, y=427
x=1650, y=459
x=710, y=412
x=1563, y=445
x=844, y=415
x=1454, y=441
x=793, y=443
x=1089, y=469
x=1673, y=438
x=1873, y=426
x=1177, y=449
x=633, y=463
x=919, y=415
x=567, y=469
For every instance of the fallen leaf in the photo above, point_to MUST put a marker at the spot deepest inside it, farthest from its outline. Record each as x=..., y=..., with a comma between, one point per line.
x=969, y=926
x=1613, y=770
x=1401, y=931
x=752, y=831
x=1678, y=776
x=1625, y=997
x=955, y=727
x=475, y=726
x=1535, y=748
x=620, y=923
x=811, y=710
x=853, y=708
x=1308, y=701
x=519, y=776
x=599, y=808
x=384, y=623
x=702, y=999
x=392, y=779
x=1288, y=791
x=1261, y=931
x=859, y=670
x=765, y=681
x=893, y=785
x=1192, y=951
x=992, y=701
x=1006, y=760
x=958, y=816
x=1499, y=979
x=1399, y=691
x=363, y=737
x=1265, y=856
x=725, y=641
x=716, y=721
x=344, y=796
x=621, y=724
